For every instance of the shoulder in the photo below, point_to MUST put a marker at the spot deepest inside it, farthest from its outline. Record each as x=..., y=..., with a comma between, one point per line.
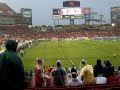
x=95, y=66
x=53, y=71
x=62, y=69
x=69, y=82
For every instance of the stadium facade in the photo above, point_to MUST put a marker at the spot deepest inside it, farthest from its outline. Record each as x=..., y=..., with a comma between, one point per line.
x=115, y=15
x=9, y=17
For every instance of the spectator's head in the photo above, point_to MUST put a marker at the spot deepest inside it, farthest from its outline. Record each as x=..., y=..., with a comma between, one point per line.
x=108, y=63
x=99, y=62
x=105, y=62
x=74, y=75
x=69, y=76
x=53, y=66
x=83, y=62
x=40, y=61
x=11, y=45
x=58, y=63
x=73, y=66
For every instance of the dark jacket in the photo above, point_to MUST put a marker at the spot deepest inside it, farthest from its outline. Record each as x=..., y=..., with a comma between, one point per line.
x=58, y=76
x=11, y=68
x=98, y=70
x=108, y=69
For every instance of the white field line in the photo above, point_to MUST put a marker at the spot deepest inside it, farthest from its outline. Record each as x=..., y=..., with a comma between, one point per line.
x=71, y=60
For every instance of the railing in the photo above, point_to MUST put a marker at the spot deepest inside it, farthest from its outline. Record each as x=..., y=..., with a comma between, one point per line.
x=115, y=86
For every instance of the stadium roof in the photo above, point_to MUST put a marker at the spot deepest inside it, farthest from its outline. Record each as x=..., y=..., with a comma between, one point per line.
x=6, y=10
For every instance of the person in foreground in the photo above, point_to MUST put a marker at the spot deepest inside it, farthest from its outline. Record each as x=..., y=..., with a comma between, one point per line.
x=11, y=68
x=58, y=75
x=74, y=81
x=39, y=75
x=86, y=73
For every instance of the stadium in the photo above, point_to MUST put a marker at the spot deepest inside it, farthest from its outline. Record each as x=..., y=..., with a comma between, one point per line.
x=94, y=40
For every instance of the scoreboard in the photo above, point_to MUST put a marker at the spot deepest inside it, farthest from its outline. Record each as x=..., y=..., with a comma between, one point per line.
x=68, y=11
x=75, y=13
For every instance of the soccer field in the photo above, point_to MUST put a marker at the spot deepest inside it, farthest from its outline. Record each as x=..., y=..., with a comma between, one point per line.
x=72, y=52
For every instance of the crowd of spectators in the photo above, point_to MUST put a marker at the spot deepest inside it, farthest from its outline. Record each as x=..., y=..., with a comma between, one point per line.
x=13, y=75
x=26, y=33
x=84, y=75
x=11, y=66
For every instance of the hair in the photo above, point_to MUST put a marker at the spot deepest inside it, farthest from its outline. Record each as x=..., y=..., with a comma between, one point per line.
x=99, y=62
x=11, y=45
x=105, y=62
x=74, y=75
x=39, y=61
x=83, y=62
x=108, y=63
x=59, y=63
x=69, y=75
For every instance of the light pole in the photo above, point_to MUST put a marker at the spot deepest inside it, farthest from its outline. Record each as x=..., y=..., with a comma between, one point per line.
x=101, y=17
x=92, y=14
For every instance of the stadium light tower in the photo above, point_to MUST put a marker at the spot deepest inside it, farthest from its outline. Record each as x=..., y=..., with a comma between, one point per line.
x=101, y=17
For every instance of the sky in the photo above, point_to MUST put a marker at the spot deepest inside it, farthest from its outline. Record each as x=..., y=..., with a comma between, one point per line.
x=42, y=9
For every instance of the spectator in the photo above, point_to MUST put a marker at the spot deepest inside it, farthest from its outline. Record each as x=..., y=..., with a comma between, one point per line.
x=73, y=69
x=100, y=79
x=118, y=76
x=30, y=74
x=58, y=75
x=74, y=81
x=98, y=69
x=104, y=63
x=39, y=74
x=11, y=68
x=119, y=68
x=69, y=76
x=22, y=53
x=108, y=69
x=86, y=73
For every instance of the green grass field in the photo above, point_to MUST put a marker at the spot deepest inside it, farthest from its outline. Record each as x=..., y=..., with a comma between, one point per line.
x=72, y=51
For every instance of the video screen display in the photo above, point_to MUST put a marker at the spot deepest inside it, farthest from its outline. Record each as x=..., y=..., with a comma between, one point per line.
x=71, y=4
x=71, y=11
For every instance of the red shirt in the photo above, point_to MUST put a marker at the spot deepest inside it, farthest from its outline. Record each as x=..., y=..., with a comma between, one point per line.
x=38, y=75
x=112, y=79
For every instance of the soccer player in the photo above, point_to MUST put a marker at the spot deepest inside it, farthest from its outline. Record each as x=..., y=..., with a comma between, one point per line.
x=114, y=55
x=21, y=52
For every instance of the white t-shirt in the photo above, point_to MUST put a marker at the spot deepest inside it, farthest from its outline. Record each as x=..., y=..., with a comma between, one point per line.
x=100, y=80
x=74, y=82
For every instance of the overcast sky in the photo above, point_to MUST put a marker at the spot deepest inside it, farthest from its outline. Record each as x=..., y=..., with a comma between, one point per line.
x=42, y=9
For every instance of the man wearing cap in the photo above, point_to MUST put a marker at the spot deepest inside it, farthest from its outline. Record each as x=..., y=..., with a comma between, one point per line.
x=11, y=68
x=86, y=73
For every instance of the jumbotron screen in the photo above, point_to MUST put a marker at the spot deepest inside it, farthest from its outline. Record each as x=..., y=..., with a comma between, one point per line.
x=71, y=4
x=71, y=11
